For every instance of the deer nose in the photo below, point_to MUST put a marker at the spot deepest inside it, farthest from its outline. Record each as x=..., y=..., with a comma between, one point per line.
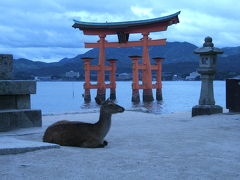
x=121, y=109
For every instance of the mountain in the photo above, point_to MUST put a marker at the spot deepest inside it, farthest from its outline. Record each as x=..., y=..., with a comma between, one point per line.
x=36, y=68
x=173, y=52
x=179, y=58
x=229, y=51
x=229, y=64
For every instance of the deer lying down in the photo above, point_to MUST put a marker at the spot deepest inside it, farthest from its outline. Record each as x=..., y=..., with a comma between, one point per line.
x=80, y=134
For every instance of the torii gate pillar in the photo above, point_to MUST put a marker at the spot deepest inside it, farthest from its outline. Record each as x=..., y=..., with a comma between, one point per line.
x=112, y=78
x=159, y=78
x=147, y=73
x=101, y=91
x=135, y=79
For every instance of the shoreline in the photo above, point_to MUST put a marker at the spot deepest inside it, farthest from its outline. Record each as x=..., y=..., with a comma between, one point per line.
x=225, y=111
x=97, y=111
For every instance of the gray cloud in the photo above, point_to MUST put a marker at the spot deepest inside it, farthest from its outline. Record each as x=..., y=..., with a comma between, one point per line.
x=41, y=30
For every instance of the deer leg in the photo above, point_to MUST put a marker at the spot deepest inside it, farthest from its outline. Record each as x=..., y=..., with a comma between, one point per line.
x=105, y=143
x=100, y=146
x=93, y=144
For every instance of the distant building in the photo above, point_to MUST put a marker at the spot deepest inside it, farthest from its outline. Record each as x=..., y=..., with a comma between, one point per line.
x=124, y=77
x=232, y=74
x=177, y=77
x=42, y=78
x=72, y=74
x=167, y=76
x=193, y=76
x=237, y=77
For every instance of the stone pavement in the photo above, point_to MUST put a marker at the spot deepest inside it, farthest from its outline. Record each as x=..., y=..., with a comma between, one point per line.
x=141, y=146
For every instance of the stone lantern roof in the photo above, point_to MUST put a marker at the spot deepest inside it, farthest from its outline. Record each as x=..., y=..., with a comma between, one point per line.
x=208, y=48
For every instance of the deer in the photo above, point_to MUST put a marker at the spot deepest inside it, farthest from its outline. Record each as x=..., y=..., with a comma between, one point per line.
x=81, y=134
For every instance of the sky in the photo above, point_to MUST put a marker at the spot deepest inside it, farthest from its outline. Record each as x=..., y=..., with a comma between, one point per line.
x=42, y=30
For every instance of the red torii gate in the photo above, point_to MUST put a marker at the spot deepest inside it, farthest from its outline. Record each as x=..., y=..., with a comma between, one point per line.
x=122, y=30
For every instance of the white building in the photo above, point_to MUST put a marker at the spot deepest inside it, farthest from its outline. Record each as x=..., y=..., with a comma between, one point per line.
x=192, y=76
x=124, y=76
x=42, y=78
x=237, y=77
x=72, y=74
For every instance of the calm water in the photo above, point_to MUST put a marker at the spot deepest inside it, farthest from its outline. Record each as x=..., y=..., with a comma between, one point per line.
x=59, y=97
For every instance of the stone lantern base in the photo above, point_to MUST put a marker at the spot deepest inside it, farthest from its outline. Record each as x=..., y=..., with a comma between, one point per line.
x=206, y=110
x=19, y=118
x=15, y=105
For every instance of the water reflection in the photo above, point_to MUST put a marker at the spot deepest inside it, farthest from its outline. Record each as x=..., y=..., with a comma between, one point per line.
x=55, y=97
x=151, y=107
x=90, y=106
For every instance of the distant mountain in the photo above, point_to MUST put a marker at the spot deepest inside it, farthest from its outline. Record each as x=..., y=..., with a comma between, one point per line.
x=229, y=64
x=172, y=51
x=44, y=69
x=179, y=58
x=229, y=51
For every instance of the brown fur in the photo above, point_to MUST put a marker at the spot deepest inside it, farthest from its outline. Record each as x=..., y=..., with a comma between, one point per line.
x=80, y=134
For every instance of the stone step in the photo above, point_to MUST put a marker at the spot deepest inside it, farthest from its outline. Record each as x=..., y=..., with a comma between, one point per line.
x=22, y=118
x=9, y=145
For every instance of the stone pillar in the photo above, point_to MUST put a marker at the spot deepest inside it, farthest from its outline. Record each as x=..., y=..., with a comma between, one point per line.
x=159, y=78
x=112, y=78
x=135, y=83
x=207, y=69
x=207, y=94
x=15, y=104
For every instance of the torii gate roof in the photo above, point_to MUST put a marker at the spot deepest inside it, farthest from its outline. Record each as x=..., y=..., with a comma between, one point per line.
x=166, y=20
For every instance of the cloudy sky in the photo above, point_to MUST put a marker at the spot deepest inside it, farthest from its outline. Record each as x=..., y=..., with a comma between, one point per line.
x=41, y=30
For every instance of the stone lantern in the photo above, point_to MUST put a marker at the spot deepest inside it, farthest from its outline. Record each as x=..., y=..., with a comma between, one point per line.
x=15, y=104
x=207, y=69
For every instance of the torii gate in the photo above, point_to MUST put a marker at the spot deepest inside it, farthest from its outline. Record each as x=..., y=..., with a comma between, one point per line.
x=122, y=30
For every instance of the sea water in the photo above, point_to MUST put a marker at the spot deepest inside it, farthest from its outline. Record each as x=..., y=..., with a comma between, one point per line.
x=178, y=96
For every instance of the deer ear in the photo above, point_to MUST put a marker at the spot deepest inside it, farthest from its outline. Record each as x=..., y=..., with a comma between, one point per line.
x=98, y=100
x=108, y=100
